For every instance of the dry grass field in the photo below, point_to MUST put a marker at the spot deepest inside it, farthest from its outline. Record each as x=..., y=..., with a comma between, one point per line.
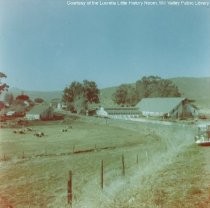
x=163, y=168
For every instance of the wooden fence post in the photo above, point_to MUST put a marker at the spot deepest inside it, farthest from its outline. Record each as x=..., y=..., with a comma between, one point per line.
x=73, y=148
x=106, y=120
x=70, y=194
x=137, y=159
x=123, y=165
x=102, y=174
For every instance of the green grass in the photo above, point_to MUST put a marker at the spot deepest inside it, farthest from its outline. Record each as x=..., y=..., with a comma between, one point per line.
x=40, y=178
x=179, y=184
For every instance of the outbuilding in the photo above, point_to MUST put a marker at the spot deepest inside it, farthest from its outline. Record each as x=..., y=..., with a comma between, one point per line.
x=175, y=107
x=119, y=112
x=40, y=111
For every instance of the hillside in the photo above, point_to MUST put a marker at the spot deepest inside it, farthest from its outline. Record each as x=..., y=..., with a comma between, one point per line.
x=106, y=96
x=158, y=164
x=193, y=88
x=46, y=95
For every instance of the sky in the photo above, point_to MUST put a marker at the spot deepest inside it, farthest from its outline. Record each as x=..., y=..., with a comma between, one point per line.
x=45, y=45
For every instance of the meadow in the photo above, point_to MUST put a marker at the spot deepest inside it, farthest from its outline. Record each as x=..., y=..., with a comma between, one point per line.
x=163, y=167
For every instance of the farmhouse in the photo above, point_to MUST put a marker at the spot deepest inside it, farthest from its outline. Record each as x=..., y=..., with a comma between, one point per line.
x=174, y=107
x=119, y=112
x=39, y=111
x=57, y=104
x=13, y=111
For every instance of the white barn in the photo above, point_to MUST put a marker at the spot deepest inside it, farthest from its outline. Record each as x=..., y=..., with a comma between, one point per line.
x=36, y=112
x=166, y=107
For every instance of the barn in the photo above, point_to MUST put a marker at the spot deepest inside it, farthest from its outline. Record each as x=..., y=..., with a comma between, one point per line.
x=39, y=111
x=173, y=107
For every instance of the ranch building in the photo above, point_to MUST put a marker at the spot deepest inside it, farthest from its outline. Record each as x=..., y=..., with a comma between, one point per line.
x=119, y=112
x=40, y=111
x=173, y=107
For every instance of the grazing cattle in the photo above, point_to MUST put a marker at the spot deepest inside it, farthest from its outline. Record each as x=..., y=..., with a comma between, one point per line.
x=19, y=131
x=39, y=134
x=15, y=131
x=22, y=131
x=29, y=129
x=66, y=129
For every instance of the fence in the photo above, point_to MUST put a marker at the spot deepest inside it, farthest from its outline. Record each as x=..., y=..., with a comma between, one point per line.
x=102, y=178
x=122, y=161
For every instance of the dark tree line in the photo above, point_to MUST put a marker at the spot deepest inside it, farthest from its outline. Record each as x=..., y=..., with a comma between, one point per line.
x=151, y=86
x=77, y=96
x=154, y=86
x=125, y=95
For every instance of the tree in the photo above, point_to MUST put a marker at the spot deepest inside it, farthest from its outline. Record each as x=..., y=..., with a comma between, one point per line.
x=78, y=95
x=125, y=95
x=91, y=91
x=9, y=98
x=3, y=86
x=38, y=100
x=151, y=86
x=154, y=86
x=22, y=97
x=24, y=100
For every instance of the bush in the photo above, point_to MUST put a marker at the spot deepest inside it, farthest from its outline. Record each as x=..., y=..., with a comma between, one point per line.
x=202, y=116
x=38, y=100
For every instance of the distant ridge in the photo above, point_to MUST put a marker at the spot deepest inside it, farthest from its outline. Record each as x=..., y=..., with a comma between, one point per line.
x=46, y=95
x=193, y=88
x=190, y=87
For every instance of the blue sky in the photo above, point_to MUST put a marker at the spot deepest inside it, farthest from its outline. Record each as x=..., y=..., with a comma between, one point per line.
x=45, y=45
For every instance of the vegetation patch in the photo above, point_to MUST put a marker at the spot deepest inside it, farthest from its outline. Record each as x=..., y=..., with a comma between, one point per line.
x=179, y=184
x=161, y=170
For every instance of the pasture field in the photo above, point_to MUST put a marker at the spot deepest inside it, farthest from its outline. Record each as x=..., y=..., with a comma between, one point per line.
x=163, y=168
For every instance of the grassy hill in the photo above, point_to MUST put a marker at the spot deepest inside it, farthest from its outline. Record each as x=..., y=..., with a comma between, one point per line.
x=46, y=95
x=161, y=168
x=193, y=88
x=106, y=96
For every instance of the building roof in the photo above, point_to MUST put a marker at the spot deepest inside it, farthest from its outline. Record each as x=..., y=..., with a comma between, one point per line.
x=122, y=110
x=17, y=108
x=163, y=105
x=39, y=108
x=56, y=100
x=93, y=106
